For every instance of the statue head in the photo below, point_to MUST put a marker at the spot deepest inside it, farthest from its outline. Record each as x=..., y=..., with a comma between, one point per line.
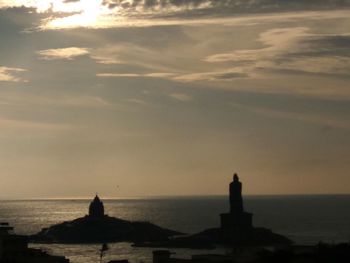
x=235, y=178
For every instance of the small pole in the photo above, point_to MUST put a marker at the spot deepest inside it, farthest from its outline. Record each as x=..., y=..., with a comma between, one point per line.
x=103, y=249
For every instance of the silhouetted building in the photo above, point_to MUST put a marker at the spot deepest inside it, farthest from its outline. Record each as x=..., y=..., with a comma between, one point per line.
x=14, y=249
x=96, y=208
x=237, y=219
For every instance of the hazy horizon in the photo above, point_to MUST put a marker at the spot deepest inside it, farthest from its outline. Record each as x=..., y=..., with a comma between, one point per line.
x=165, y=197
x=171, y=97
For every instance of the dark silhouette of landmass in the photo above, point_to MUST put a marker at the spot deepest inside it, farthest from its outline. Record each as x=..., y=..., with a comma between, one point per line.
x=14, y=249
x=236, y=229
x=321, y=253
x=98, y=228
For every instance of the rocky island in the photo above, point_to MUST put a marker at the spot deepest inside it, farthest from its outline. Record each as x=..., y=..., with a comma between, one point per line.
x=236, y=229
x=97, y=227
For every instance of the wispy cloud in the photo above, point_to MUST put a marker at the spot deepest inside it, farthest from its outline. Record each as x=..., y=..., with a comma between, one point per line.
x=10, y=124
x=10, y=74
x=295, y=49
x=69, y=53
x=137, y=101
x=76, y=101
x=218, y=75
x=278, y=41
x=60, y=14
x=136, y=75
x=286, y=51
x=181, y=97
x=325, y=121
x=116, y=21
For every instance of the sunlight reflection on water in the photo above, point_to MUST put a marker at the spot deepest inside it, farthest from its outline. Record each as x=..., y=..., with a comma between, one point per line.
x=305, y=219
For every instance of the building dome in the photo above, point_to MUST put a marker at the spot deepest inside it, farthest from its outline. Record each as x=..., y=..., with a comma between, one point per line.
x=96, y=208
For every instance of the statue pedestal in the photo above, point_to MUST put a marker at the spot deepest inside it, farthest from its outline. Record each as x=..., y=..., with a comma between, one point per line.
x=231, y=224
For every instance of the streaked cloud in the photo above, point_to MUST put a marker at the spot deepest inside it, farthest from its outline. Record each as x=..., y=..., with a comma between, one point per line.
x=278, y=41
x=137, y=101
x=143, y=20
x=78, y=100
x=295, y=49
x=69, y=53
x=318, y=119
x=11, y=74
x=181, y=97
x=11, y=124
x=139, y=13
x=136, y=75
x=138, y=81
x=224, y=75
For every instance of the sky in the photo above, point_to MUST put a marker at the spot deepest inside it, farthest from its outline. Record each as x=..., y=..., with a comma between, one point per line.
x=171, y=97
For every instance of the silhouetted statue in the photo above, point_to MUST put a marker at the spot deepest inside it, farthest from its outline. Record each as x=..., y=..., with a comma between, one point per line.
x=236, y=202
x=96, y=208
x=237, y=221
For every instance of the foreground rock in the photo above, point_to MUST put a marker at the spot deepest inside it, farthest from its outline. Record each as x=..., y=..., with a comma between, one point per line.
x=14, y=249
x=100, y=228
x=210, y=238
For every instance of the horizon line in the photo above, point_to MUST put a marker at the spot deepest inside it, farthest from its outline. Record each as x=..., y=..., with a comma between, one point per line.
x=164, y=196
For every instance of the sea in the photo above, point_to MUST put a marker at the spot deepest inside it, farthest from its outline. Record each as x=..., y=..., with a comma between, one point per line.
x=306, y=220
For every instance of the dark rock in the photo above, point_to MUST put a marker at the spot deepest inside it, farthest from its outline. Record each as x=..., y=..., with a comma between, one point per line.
x=102, y=229
x=210, y=238
x=236, y=229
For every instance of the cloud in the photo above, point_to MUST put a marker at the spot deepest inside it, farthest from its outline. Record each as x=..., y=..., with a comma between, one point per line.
x=10, y=124
x=101, y=59
x=151, y=20
x=181, y=97
x=60, y=14
x=137, y=101
x=278, y=41
x=224, y=75
x=293, y=49
x=136, y=75
x=179, y=5
x=9, y=74
x=312, y=118
x=181, y=77
x=72, y=100
x=69, y=53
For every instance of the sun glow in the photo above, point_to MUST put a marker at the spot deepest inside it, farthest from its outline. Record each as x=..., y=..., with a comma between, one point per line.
x=68, y=14
x=87, y=13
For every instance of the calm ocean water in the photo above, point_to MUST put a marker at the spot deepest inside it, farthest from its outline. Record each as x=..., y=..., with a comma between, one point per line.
x=304, y=219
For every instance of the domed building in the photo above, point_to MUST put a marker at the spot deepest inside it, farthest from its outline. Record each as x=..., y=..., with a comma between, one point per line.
x=96, y=208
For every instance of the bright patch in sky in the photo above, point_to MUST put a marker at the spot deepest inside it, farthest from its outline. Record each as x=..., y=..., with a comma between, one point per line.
x=9, y=74
x=62, y=53
x=90, y=14
x=83, y=13
x=171, y=96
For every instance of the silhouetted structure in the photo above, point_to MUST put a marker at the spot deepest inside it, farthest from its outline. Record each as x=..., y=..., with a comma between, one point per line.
x=14, y=249
x=96, y=208
x=237, y=219
x=236, y=229
x=236, y=201
x=97, y=227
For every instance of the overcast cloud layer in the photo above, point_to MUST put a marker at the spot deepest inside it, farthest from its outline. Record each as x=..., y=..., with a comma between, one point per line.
x=171, y=97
